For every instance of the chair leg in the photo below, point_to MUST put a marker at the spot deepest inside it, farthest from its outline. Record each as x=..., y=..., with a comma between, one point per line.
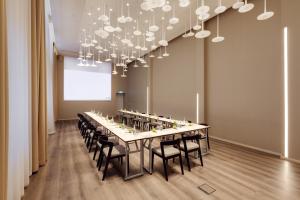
x=181, y=165
x=100, y=161
x=128, y=164
x=91, y=144
x=96, y=150
x=152, y=161
x=105, y=169
x=165, y=169
x=207, y=139
x=200, y=155
x=187, y=160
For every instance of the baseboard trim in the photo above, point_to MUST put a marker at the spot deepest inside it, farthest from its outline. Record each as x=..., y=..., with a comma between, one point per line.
x=292, y=160
x=247, y=146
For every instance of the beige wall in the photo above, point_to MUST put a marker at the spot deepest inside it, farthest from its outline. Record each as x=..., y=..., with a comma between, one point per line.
x=173, y=82
x=244, y=80
x=69, y=109
x=175, y=78
x=291, y=20
x=136, y=96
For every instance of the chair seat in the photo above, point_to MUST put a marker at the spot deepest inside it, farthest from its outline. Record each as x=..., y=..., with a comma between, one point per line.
x=190, y=145
x=117, y=151
x=169, y=151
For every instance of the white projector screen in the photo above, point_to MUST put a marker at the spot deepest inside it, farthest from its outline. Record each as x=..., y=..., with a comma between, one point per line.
x=82, y=83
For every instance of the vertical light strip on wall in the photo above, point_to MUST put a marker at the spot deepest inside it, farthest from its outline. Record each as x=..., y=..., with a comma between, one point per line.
x=197, y=108
x=286, y=93
x=147, y=99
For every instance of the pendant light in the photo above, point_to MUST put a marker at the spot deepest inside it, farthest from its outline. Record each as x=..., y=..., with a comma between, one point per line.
x=122, y=19
x=103, y=17
x=146, y=63
x=137, y=32
x=151, y=55
x=197, y=27
x=108, y=27
x=166, y=54
x=173, y=20
x=93, y=63
x=202, y=9
x=123, y=75
x=135, y=64
x=99, y=60
x=221, y=8
x=159, y=56
x=190, y=33
x=266, y=14
x=128, y=18
x=203, y=33
x=185, y=29
x=218, y=38
x=246, y=7
x=166, y=7
x=163, y=41
x=237, y=4
x=169, y=27
x=144, y=48
x=153, y=27
x=137, y=44
x=114, y=72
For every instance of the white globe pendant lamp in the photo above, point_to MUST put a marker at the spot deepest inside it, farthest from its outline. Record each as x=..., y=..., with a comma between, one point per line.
x=166, y=54
x=202, y=9
x=128, y=18
x=167, y=7
x=190, y=33
x=246, y=7
x=203, y=33
x=221, y=8
x=266, y=14
x=114, y=72
x=218, y=38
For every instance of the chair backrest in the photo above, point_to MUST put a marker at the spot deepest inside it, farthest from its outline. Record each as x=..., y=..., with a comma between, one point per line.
x=168, y=143
x=191, y=137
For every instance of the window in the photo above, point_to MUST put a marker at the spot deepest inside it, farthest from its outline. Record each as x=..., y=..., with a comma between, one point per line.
x=82, y=83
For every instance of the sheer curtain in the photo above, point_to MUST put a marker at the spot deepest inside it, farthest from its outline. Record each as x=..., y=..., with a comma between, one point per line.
x=19, y=145
x=3, y=103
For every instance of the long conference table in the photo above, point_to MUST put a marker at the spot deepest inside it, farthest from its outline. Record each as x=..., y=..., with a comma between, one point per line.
x=128, y=136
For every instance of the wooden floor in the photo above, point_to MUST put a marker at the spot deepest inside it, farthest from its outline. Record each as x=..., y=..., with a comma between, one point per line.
x=234, y=172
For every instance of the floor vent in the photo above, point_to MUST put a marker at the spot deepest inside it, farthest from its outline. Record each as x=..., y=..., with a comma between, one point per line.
x=207, y=189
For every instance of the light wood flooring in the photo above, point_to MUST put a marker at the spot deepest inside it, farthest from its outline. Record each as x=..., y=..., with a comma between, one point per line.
x=234, y=172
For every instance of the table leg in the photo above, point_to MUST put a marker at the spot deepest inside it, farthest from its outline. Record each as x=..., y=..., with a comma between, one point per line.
x=142, y=156
x=126, y=159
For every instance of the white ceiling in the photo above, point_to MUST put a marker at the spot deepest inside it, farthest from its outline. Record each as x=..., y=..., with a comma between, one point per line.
x=68, y=16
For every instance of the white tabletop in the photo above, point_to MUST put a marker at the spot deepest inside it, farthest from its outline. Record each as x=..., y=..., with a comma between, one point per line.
x=125, y=135
x=163, y=119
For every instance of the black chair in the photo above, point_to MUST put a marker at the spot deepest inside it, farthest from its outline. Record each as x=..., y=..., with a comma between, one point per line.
x=206, y=136
x=191, y=144
x=109, y=151
x=93, y=136
x=167, y=151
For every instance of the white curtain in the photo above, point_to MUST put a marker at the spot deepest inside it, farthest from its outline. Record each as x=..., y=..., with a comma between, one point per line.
x=18, y=32
x=49, y=63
